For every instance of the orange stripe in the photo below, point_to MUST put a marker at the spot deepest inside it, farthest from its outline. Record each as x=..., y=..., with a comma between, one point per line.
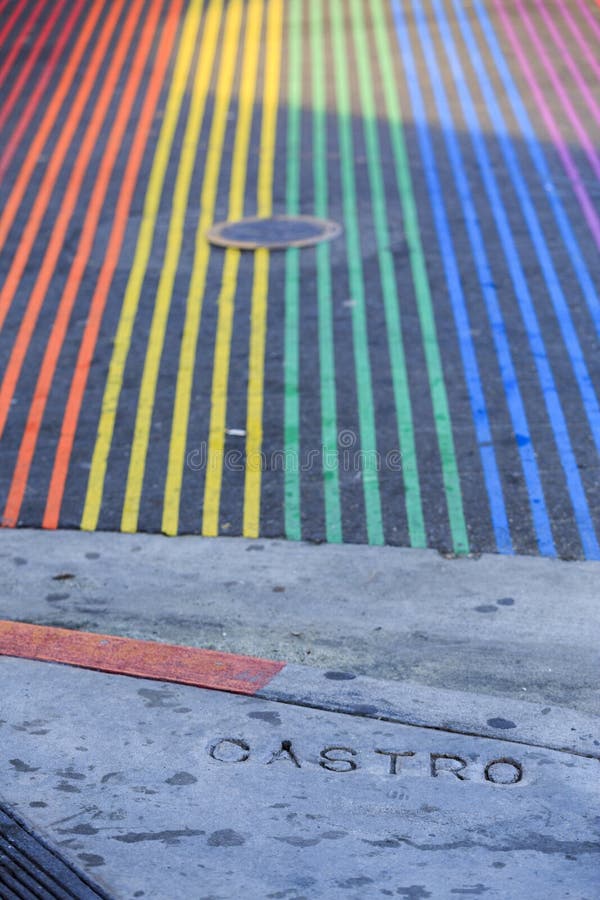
x=37, y=145
x=69, y=202
x=67, y=301
x=142, y=659
x=96, y=312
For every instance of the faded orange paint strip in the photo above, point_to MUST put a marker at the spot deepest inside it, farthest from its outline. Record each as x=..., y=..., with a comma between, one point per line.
x=141, y=659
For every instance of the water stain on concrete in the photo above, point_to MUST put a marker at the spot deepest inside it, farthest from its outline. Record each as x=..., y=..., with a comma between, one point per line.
x=226, y=837
x=181, y=778
x=20, y=766
x=165, y=837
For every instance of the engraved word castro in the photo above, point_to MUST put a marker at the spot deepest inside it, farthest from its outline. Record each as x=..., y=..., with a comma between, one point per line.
x=385, y=760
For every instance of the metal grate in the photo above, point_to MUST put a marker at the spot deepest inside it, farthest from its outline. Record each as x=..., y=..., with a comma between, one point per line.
x=30, y=870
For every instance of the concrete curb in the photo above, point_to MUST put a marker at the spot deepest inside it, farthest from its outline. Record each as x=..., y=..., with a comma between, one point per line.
x=335, y=691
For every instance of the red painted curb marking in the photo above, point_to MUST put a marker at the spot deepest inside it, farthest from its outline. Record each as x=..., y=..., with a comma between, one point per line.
x=142, y=659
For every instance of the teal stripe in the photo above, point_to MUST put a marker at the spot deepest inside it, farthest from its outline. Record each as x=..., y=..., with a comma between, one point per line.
x=437, y=386
x=370, y=476
x=293, y=527
x=406, y=437
x=331, y=487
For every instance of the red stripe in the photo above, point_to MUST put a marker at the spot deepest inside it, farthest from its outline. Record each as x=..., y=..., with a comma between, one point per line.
x=142, y=659
x=3, y=4
x=41, y=85
x=10, y=22
x=32, y=56
x=26, y=29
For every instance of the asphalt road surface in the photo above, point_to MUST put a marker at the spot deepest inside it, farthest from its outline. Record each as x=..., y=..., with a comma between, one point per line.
x=428, y=378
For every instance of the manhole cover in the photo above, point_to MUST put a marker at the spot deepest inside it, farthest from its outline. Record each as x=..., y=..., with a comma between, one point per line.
x=273, y=233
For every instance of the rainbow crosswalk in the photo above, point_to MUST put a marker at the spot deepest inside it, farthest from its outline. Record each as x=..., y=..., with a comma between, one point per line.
x=428, y=379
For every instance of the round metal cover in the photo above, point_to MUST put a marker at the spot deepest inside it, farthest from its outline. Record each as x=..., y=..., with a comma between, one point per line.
x=273, y=233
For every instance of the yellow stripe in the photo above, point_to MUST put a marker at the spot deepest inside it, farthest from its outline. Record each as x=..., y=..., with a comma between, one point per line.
x=164, y=295
x=189, y=340
x=260, y=287
x=216, y=435
x=114, y=381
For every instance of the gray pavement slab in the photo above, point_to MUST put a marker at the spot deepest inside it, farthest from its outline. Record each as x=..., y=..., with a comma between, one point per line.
x=168, y=791
x=511, y=627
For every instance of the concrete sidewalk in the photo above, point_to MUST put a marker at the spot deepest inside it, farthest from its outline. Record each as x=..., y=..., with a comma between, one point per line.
x=402, y=762
x=169, y=791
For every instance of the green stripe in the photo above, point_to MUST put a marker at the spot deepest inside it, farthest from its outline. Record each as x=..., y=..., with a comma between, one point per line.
x=422, y=291
x=406, y=437
x=331, y=488
x=370, y=475
x=293, y=527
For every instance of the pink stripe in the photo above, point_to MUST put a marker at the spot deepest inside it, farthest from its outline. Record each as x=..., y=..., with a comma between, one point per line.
x=561, y=147
x=42, y=83
x=586, y=13
x=31, y=60
x=586, y=143
x=583, y=45
x=18, y=44
x=572, y=66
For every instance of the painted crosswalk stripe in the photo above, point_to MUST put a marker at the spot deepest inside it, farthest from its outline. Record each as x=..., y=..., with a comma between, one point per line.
x=329, y=424
x=521, y=289
x=226, y=300
x=540, y=161
x=33, y=52
x=122, y=342
x=539, y=241
x=44, y=191
x=510, y=381
x=194, y=303
x=68, y=204
x=292, y=501
x=164, y=293
x=260, y=286
x=404, y=417
x=473, y=378
x=560, y=143
x=88, y=232
x=99, y=298
x=35, y=90
x=368, y=442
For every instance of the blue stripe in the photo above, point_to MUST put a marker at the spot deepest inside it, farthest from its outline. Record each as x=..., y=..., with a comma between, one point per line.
x=551, y=398
x=507, y=370
x=561, y=308
x=540, y=162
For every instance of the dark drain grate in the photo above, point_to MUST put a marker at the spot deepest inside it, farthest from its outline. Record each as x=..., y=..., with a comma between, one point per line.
x=273, y=233
x=29, y=870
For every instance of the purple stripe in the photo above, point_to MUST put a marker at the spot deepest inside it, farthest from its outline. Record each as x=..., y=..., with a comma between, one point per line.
x=561, y=147
x=593, y=24
x=581, y=41
x=571, y=64
x=562, y=94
